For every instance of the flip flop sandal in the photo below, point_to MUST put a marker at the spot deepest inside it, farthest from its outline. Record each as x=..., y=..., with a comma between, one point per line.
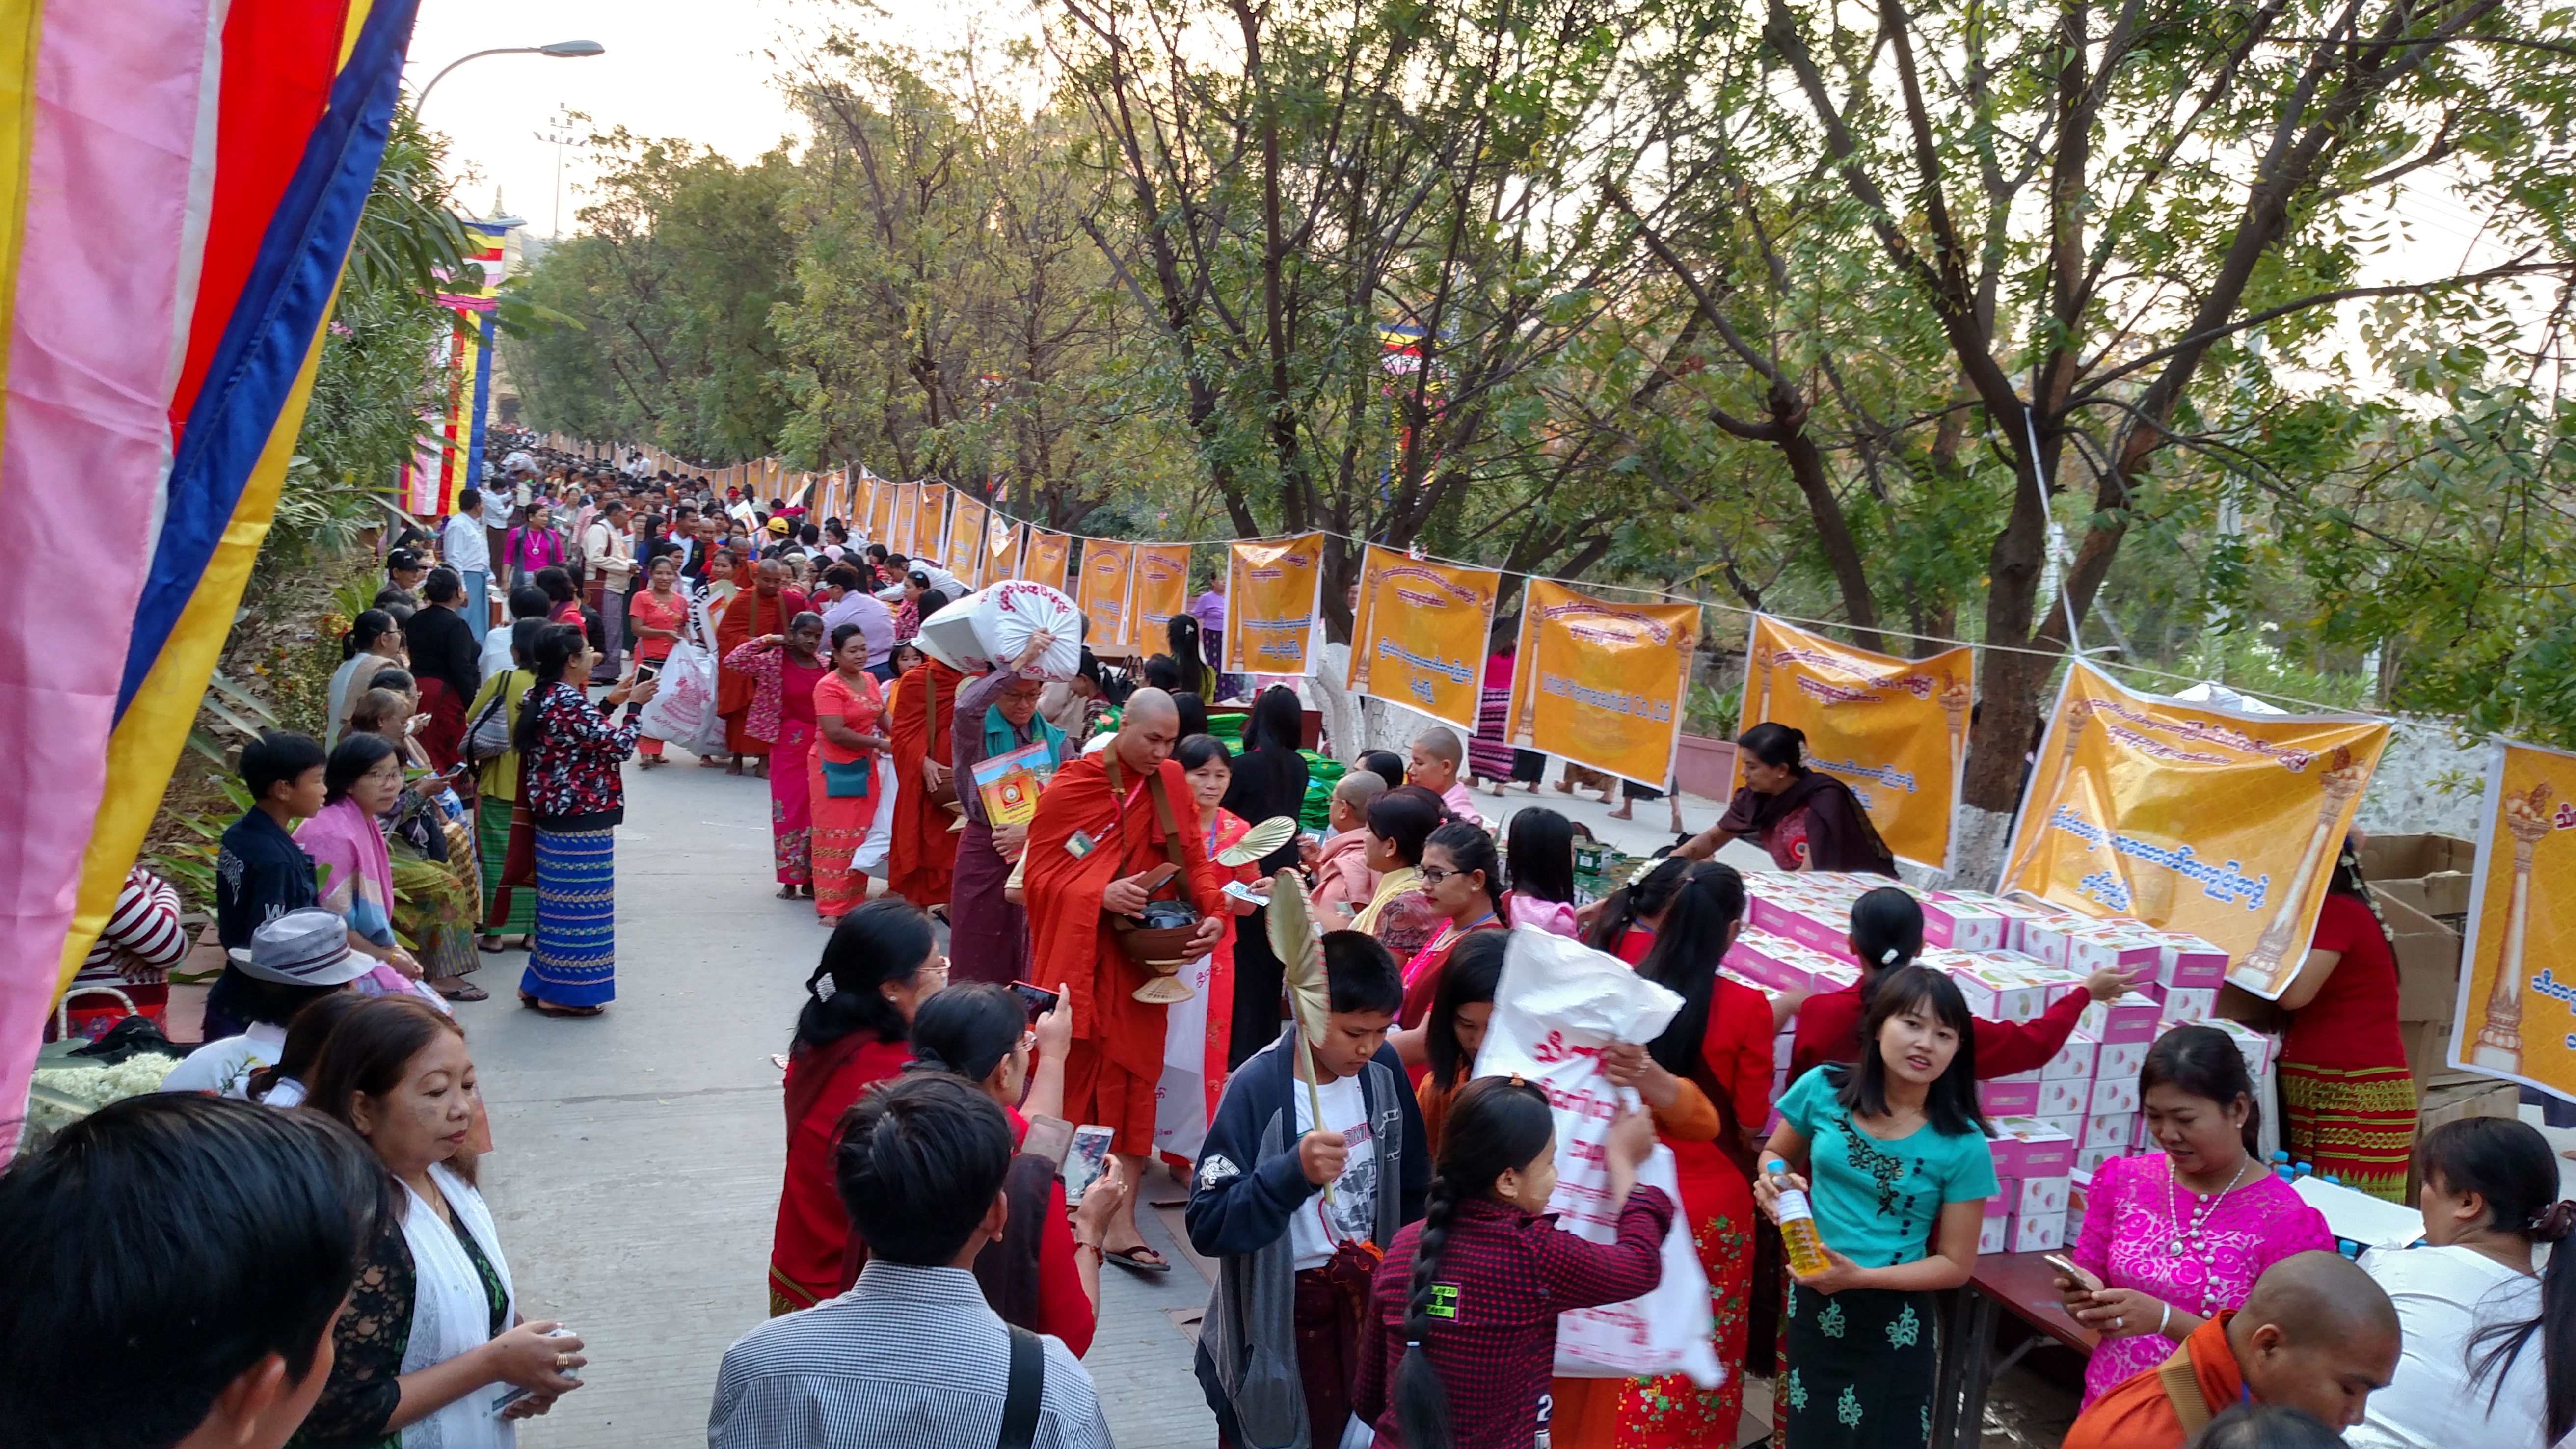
x=489, y=943
x=1138, y=1259
x=465, y=991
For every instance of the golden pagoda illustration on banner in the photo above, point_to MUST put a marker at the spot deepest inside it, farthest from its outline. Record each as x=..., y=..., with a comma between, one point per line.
x=2498, y=1045
x=2283, y=948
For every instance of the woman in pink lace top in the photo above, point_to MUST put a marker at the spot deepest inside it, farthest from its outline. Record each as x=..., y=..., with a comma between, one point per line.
x=2180, y=1235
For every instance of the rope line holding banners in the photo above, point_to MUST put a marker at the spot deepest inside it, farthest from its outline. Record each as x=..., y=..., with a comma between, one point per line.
x=2069, y=654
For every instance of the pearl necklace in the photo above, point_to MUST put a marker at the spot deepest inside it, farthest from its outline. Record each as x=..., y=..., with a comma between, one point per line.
x=2190, y=1229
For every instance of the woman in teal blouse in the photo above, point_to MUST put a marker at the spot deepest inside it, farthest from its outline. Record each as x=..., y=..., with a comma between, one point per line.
x=1892, y=1155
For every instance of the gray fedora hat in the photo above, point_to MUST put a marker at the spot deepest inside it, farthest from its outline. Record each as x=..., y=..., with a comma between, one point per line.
x=309, y=947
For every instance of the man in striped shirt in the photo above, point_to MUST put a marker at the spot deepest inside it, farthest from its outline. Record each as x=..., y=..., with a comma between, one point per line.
x=135, y=951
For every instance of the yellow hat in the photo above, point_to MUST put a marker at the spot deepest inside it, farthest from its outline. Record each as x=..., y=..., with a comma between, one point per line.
x=778, y=525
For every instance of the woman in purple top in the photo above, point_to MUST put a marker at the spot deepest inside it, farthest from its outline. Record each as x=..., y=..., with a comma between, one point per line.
x=2180, y=1236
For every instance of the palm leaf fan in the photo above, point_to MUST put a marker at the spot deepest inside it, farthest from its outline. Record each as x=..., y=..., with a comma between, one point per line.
x=1300, y=949
x=1259, y=841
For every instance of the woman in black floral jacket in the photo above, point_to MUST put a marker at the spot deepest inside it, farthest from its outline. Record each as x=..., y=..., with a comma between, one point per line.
x=569, y=754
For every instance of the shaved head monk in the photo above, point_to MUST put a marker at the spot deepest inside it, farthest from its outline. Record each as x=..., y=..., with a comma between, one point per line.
x=1113, y=830
x=2316, y=1334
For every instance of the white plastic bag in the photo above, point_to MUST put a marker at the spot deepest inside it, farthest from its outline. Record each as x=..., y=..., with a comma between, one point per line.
x=991, y=626
x=1558, y=1003
x=682, y=710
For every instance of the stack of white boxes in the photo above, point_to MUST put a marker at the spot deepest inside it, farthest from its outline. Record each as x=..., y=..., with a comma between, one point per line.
x=2012, y=960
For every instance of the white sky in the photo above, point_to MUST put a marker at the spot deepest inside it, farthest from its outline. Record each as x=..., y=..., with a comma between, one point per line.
x=698, y=69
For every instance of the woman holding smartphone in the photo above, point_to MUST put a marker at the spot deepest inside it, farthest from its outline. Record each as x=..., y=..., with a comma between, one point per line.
x=1892, y=1155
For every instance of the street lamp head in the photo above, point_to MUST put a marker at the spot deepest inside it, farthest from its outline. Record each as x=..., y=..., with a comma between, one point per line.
x=565, y=48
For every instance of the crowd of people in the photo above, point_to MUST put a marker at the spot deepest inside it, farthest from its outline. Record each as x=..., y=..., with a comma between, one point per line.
x=996, y=985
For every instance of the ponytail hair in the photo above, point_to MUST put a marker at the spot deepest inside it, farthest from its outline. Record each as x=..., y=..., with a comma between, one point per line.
x=1496, y=1125
x=1886, y=929
x=1473, y=849
x=1698, y=927
x=1643, y=896
x=2508, y=1163
x=1471, y=977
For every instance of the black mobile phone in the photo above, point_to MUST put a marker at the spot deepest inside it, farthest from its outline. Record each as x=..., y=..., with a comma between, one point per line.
x=1040, y=1000
x=647, y=671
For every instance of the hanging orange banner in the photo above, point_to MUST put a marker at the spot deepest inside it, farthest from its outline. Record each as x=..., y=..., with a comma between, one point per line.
x=1603, y=684
x=1043, y=558
x=907, y=519
x=964, y=553
x=1103, y=599
x=1419, y=635
x=881, y=497
x=2517, y=1016
x=1273, y=598
x=930, y=530
x=1002, y=549
x=1161, y=589
x=1894, y=730
x=2216, y=822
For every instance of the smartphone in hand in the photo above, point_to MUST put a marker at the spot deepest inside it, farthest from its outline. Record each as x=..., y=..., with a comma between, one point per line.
x=2083, y=1277
x=1040, y=1000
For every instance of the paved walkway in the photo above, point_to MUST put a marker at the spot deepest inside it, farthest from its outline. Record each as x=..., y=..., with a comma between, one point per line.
x=636, y=1176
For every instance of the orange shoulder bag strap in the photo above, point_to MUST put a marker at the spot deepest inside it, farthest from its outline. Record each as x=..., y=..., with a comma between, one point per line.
x=2182, y=1390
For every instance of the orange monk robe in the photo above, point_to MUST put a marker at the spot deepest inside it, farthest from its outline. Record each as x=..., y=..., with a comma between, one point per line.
x=1117, y=1055
x=2137, y=1414
x=747, y=617
x=924, y=849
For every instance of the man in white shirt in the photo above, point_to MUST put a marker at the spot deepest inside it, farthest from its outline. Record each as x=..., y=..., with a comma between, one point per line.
x=857, y=606
x=933, y=575
x=462, y=546
x=608, y=554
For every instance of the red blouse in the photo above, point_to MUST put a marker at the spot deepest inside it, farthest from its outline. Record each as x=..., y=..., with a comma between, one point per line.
x=813, y=1232
x=1063, y=1308
x=1829, y=1031
x=2353, y=1020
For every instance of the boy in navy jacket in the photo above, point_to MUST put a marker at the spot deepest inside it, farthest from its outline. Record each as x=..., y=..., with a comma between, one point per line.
x=1295, y=1262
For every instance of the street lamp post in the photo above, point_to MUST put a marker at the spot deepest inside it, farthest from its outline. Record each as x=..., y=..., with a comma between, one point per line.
x=561, y=50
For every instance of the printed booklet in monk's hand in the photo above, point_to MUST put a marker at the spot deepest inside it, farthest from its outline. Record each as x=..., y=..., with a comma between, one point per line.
x=1009, y=783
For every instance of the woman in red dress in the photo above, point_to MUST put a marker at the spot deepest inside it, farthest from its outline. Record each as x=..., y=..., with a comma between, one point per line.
x=2343, y=1061
x=1708, y=1078
x=880, y=964
x=1629, y=917
x=657, y=616
x=1463, y=877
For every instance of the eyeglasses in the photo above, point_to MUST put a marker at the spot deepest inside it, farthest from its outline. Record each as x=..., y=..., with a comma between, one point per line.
x=1433, y=875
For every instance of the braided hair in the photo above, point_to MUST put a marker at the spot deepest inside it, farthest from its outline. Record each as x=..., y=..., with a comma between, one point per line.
x=1498, y=1124
x=1643, y=896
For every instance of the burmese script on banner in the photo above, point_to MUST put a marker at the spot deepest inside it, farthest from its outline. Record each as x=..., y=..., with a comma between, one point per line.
x=2517, y=1015
x=907, y=517
x=1273, y=598
x=881, y=496
x=1894, y=730
x=1162, y=589
x=1419, y=634
x=2220, y=823
x=1042, y=562
x=964, y=554
x=1103, y=599
x=1603, y=684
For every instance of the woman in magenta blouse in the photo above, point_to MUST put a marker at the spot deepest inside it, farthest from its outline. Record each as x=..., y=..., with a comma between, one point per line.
x=2179, y=1235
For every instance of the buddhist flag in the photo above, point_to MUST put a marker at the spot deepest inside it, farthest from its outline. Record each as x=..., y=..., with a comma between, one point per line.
x=965, y=550
x=2218, y=822
x=1603, y=684
x=2517, y=1015
x=1894, y=730
x=930, y=534
x=1418, y=639
x=179, y=185
x=1103, y=597
x=1273, y=605
x=1044, y=559
x=1002, y=549
x=1162, y=589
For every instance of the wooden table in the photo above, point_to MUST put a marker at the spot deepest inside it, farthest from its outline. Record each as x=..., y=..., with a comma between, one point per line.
x=2021, y=1284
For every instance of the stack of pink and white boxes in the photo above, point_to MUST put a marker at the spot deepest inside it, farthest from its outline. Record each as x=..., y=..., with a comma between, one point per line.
x=2012, y=960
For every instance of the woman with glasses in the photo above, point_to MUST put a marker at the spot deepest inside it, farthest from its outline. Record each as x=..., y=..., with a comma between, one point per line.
x=880, y=965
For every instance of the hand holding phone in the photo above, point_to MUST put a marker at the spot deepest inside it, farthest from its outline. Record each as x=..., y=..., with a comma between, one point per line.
x=2083, y=1278
x=1040, y=1000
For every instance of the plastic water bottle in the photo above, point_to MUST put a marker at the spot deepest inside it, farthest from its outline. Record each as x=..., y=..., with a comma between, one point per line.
x=2281, y=1166
x=1798, y=1239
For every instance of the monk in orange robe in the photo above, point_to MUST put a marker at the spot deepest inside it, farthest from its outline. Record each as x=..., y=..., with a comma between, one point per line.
x=760, y=608
x=924, y=849
x=2316, y=1334
x=1095, y=843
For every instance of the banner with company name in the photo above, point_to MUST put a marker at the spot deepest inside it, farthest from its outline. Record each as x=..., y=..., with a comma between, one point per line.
x=1418, y=637
x=1042, y=561
x=1102, y=599
x=881, y=497
x=907, y=517
x=930, y=532
x=1894, y=730
x=1161, y=589
x=2216, y=822
x=2517, y=1016
x=1274, y=606
x=964, y=553
x=1603, y=684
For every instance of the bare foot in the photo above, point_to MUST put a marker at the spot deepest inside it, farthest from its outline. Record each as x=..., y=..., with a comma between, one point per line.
x=1622, y=813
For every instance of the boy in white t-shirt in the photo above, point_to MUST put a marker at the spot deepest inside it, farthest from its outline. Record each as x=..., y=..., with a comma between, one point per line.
x=1294, y=1260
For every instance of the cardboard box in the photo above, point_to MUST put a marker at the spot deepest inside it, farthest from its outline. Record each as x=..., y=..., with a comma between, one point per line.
x=2111, y=1129
x=2001, y=1204
x=2043, y=1233
x=2067, y=1125
x=2039, y=1196
x=2074, y=1061
x=2431, y=873
x=1995, y=1234
x=2089, y=1160
x=2428, y=1052
x=2062, y=1097
x=2113, y=1096
x=2464, y=1097
x=2428, y=962
x=2119, y=1061
x=2008, y=1099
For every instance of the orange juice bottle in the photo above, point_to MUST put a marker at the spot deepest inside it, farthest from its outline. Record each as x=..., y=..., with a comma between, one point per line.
x=1798, y=1239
